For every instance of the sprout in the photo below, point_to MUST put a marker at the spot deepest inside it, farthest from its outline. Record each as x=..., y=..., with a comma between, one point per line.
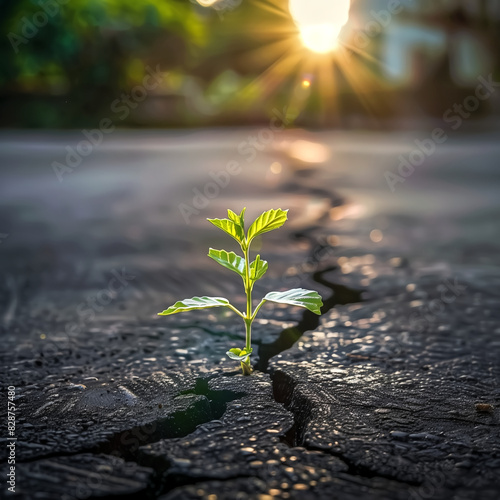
x=250, y=272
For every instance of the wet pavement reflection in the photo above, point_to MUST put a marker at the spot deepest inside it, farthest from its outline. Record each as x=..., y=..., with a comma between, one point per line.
x=382, y=387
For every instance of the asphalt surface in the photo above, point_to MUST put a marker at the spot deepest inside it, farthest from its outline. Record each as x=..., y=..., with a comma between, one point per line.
x=393, y=393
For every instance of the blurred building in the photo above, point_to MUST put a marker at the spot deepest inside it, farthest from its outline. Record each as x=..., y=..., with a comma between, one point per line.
x=428, y=40
x=429, y=53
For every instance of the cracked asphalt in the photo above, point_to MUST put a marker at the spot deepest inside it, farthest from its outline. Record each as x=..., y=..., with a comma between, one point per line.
x=393, y=394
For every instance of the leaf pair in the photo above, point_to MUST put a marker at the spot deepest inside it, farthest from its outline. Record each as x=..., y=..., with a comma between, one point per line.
x=239, y=354
x=235, y=225
x=235, y=263
x=309, y=299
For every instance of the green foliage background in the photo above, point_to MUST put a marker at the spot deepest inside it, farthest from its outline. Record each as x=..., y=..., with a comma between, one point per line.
x=215, y=64
x=90, y=50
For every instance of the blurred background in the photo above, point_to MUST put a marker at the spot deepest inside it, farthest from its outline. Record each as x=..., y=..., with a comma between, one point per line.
x=231, y=62
x=126, y=124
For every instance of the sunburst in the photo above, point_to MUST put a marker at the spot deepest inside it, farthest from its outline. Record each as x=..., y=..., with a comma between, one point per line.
x=320, y=22
x=309, y=65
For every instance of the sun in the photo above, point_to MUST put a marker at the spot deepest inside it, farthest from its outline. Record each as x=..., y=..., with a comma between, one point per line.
x=309, y=63
x=321, y=38
x=320, y=22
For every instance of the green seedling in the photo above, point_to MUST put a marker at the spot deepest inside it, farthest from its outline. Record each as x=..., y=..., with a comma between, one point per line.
x=250, y=272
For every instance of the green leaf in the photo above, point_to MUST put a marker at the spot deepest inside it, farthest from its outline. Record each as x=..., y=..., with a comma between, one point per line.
x=258, y=268
x=230, y=227
x=237, y=219
x=195, y=303
x=272, y=219
x=229, y=260
x=239, y=354
x=242, y=217
x=309, y=299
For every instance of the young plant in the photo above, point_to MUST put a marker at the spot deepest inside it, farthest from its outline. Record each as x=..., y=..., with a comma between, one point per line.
x=250, y=272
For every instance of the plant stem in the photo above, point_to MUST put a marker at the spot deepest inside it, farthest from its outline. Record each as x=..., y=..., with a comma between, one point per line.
x=247, y=367
x=248, y=325
x=262, y=302
x=235, y=310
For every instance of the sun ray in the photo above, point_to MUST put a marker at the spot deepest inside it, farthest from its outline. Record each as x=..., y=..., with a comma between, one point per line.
x=272, y=78
x=266, y=5
x=293, y=74
x=269, y=52
x=364, y=54
x=363, y=82
x=328, y=87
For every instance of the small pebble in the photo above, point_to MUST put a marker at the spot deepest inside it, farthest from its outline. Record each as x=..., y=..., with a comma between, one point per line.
x=181, y=462
x=424, y=435
x=484, y=407
x=300, y=487
x=400, y=435
x=247, y=451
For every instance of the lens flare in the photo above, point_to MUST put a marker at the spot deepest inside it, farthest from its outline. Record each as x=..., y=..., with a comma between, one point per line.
x=320, y=22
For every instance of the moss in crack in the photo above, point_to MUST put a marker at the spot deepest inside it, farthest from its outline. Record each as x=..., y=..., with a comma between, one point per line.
x=201, y=405
x=217, y=399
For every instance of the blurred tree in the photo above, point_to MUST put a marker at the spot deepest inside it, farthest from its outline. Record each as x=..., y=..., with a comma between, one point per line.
x=228, y=61
x=88, y=50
